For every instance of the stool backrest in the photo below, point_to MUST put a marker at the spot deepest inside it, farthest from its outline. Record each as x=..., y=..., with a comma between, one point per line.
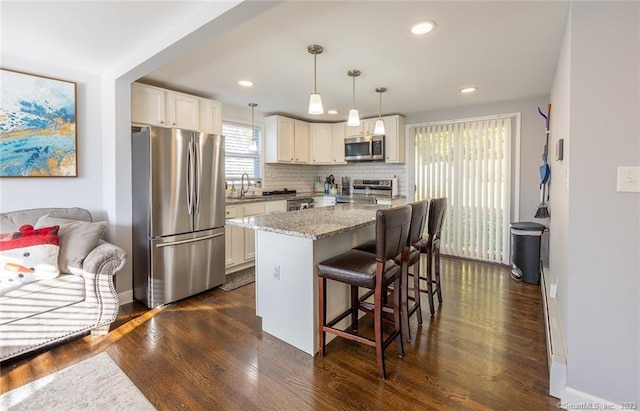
x=419, y=211
x=392, y=231
x=437, y=209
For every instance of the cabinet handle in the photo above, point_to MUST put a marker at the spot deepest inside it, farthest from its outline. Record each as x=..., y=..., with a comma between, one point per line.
x=161, y=122
x=173, y=124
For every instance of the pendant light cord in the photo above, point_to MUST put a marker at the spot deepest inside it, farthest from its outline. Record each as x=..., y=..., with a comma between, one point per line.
x=315, y=89
x=354, y=91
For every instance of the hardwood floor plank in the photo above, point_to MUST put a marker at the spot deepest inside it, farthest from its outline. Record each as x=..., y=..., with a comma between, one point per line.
x=484, y=349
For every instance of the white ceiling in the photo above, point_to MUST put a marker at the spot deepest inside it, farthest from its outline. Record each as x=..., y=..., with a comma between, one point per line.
x=507, y=49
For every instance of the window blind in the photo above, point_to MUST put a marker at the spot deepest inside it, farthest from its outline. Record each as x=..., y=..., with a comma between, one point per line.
x=239, y=158
x=468, y=162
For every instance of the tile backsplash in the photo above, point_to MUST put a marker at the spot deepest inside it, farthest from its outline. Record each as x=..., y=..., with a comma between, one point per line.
x=301, y=177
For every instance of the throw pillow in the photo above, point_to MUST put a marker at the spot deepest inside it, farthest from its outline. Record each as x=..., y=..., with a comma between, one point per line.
x=28, y=229
x=27, y=259
x=77, y=239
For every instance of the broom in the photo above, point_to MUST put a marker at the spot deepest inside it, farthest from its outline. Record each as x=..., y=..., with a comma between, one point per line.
x=545, y=171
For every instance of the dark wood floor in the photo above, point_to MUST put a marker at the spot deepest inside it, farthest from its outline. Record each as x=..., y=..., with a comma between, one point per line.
x=484, y=349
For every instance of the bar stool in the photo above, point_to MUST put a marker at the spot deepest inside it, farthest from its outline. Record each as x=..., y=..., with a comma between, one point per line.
x=373, y=271
x=431, y=247
x=414, y=242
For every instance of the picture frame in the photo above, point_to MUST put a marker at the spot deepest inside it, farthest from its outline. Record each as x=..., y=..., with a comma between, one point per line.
x=38, y=126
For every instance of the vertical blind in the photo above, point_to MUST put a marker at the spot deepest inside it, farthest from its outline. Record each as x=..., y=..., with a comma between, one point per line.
x=238, y=157
x=468, y=162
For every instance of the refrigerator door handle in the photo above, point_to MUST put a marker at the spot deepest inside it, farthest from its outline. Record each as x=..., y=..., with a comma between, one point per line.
x=190, y=178
x=193, y=240
x=198, y=179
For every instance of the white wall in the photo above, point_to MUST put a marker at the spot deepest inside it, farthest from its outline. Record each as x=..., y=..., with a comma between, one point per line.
x=85, y=190
x=597, y=92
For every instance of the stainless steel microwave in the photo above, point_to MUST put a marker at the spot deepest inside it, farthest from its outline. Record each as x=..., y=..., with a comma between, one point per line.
x=364, y=148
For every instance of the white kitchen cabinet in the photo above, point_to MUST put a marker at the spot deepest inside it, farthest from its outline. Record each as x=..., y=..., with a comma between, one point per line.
x=240, y=242
x=210, y=116
x=369, y=125
x=147, y=105
x=286, y=140
x=324, y=201
x=160, y=107
x=183, y=111
x=338, y=132
x=275, y=206
x=394, y=139
x=321, y=151
x=301, y=142
x=355, y=130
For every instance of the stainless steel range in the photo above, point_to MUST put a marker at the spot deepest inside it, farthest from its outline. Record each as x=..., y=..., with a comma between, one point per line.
x=366, y=191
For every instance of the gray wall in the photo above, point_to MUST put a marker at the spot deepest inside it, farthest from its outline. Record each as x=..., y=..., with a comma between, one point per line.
x=597, y=230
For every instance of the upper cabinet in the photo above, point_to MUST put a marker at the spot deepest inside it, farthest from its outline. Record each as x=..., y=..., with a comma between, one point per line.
x=210, y=116
x=327, y=143
x=321, y=143
x=354, y=130
x=394, y=139
x=159, y=107
x=338, y=133
x=286, y=140
x=147, y=105
x=183, y=111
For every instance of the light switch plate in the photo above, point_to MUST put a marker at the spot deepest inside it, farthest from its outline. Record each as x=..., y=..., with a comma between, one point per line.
x=628, y=180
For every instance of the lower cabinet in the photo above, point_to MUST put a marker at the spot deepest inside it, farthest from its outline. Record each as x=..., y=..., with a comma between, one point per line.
x=239, y=242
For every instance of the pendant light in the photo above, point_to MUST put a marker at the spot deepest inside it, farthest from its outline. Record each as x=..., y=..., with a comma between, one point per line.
x=354, y=118
x=379, y=128
x=315, y=101
x=253, y=144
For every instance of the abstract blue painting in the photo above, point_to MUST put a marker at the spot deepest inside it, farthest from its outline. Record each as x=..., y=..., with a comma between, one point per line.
x=37, y=126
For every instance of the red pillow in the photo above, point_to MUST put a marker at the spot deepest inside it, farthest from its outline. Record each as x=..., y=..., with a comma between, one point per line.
x=28, y=230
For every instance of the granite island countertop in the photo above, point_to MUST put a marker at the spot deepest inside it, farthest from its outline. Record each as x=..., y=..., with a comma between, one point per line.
x=313, y=223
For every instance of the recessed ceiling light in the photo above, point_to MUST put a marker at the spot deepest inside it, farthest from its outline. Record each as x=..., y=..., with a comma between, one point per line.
x=332, y=112
x=245, y=83
x=423, y=27
x=468, y=89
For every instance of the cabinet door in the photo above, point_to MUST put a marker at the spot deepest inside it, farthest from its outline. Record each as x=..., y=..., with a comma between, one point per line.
x=285, y=140
x=301, y=142
x=210, y=116
x=147, y=105
x=320, y=143
x=275, y=206
x=369, y=125
x=394, y=139
x=355, y=131
x=231, y=236
x=183, y=111
x=250, y=234
x=338, y=131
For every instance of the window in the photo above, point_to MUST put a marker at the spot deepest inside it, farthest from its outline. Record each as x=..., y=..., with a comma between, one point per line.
x=239, y=158
x=468, y=162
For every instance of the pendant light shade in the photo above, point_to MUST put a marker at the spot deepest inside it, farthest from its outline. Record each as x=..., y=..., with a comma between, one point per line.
x=253, y=143
x=379, y=128
x=354, y=117
x=315, y=101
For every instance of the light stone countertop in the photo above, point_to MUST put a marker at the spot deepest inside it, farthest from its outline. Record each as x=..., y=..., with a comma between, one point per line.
x=313, y=223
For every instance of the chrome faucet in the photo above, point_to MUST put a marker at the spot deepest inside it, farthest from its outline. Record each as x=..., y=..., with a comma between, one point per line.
x=244, y=191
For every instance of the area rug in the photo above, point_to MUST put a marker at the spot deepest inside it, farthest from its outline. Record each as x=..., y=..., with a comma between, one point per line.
x=93, y=384
x=239, y=279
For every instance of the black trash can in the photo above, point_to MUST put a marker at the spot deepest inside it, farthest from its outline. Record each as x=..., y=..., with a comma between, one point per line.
x=525, y=251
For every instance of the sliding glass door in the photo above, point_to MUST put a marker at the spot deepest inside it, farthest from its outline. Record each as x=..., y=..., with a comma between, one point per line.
x=469, y=163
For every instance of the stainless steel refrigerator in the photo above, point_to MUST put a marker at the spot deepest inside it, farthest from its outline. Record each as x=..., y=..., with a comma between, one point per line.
x=178, y=213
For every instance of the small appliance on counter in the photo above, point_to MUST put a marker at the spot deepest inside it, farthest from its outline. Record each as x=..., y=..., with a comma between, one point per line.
x=346, y=186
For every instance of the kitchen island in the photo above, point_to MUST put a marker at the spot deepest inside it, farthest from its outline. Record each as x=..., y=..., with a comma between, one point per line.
x=289, y=247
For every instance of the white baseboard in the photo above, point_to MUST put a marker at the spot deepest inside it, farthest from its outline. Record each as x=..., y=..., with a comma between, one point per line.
x=125, y=297
x=573, y=399
x=556, y=358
